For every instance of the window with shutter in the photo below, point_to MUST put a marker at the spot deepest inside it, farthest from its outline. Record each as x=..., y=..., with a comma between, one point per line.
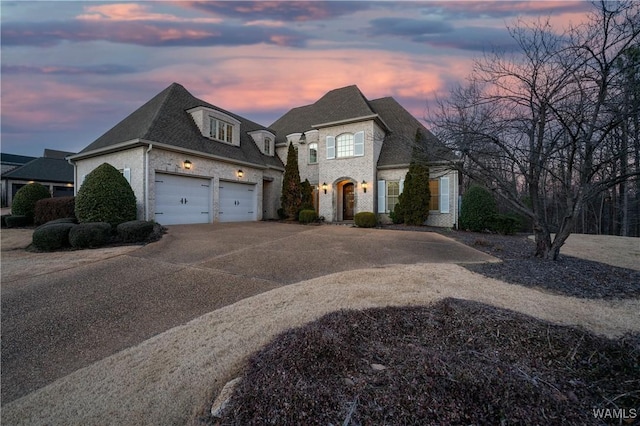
x=358, y=144
x=331, y=147
x=444, y=194
x=434, y=188
x=382, y=192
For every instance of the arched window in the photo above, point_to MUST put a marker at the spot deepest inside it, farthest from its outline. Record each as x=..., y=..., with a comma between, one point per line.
x=313, y=153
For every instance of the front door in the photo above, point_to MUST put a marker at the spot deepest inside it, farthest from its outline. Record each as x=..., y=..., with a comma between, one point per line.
x=347, y=201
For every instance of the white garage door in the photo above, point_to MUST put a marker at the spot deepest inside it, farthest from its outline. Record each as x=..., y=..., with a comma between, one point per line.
x=237, y=202
x=182, y=200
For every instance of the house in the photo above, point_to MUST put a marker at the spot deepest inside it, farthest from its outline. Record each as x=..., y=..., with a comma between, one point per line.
x=356, y=153
x=189, y=161
x=51, y=170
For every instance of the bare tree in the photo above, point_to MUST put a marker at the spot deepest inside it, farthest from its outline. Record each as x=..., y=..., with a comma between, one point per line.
x=536, y=125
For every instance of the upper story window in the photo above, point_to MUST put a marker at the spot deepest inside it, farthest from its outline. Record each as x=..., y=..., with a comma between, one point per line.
x=267, y=146
x=345, y=145
x=313, y=153
x=221, y=130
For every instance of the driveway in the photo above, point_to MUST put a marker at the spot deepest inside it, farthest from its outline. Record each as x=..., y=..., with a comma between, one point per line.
x=64, y=311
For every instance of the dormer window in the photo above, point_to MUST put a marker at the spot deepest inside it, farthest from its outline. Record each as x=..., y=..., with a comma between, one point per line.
x=267, y=146
x=221, y=130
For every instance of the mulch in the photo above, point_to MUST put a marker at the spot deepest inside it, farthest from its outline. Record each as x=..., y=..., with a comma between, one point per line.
x=455, y=362
x=569, y=276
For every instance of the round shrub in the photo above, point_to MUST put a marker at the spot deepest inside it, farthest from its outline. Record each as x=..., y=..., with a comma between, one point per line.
x=52, y=237
x=135, y=231
x=105, y=196
x=477, y=210
x=506, y=224
x=16, y=221
x=24, y=202
x=307, y=216
x=90, y=235
x=365, y=220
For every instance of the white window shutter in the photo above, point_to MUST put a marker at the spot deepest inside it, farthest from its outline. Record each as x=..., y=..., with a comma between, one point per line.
x=127, y=175
x=401, y=186
x=444, y=194
x=358, y=144
x=382, y=196
x=331, y=147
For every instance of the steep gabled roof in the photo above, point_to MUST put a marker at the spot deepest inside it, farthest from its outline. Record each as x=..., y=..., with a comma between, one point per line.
x=342, y=104
x=43, y=170
x=398, y=145
x=164, y=119
x=349, y=103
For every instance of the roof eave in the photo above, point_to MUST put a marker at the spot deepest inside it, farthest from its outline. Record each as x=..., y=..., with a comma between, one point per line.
x=349, y=120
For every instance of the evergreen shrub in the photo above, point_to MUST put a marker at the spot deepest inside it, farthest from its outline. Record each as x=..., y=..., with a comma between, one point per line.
x=307, y=216
x=105, y=196
x=17, y=221
x=24, y=202
x=477, y=210
x=506, y=224
x=366, y=220
x=135, y=231
x=52, y=237
x=90, y=235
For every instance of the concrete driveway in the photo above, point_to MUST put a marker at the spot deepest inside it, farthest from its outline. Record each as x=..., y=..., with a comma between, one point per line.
x=64, y=311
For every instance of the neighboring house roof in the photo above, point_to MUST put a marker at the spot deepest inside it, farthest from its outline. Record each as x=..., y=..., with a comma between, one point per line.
x=15, y=160
x=349, y=103
x=164, y=119
x=54, y=153
x=43, y=170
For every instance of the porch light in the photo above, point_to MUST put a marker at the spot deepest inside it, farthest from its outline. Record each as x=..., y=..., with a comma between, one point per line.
x=240, y=173
x=187, y=164
x=364, y=186
x=324, y=187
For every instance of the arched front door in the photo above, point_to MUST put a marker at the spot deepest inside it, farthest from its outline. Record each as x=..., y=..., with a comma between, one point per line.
x=347, y=201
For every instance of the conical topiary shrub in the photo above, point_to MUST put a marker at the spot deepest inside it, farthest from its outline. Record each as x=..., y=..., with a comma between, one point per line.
x=105, y=196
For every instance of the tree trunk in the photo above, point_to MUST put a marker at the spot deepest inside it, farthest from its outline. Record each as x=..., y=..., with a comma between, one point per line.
x=543, y=240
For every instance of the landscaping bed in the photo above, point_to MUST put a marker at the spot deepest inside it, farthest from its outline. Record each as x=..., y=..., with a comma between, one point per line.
x=455, y=362
x=570, y=276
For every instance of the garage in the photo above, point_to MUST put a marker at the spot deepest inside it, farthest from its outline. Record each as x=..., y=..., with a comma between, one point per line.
x=237, y=202
x=182, y=199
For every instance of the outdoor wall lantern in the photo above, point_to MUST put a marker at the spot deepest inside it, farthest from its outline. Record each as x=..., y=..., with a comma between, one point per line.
x=240, y=173
x=364, y=186
x=324, y=187
x=187, y=164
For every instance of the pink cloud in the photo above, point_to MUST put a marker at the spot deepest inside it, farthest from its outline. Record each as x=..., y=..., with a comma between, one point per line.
x=134, y=12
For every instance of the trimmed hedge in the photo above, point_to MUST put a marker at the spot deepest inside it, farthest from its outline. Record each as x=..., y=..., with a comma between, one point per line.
x=135, y=231
x=50, y=209
x=105, y=196
x=307, y=216
x=61, y=220
x=365, y=220
x=24, y=202
x=90, y=235
x=53, y=236
x=17, y=221
x=3, y=223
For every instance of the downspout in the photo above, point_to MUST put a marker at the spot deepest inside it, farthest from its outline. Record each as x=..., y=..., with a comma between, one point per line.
x=75, y=176
x=146, y=181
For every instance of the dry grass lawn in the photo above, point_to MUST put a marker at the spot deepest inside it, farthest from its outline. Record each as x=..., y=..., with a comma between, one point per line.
x=167, y=379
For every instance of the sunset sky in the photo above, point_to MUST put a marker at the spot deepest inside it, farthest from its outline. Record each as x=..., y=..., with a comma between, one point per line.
x=72, y=70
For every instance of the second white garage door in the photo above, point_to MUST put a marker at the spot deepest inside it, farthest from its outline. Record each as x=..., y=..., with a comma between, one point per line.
x=237, y=202
x=182, y=199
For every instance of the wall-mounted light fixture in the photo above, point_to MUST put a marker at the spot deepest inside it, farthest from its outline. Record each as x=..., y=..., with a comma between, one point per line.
x=187, y=164
x=324, y=187
x=364, y=186
x=240, y=173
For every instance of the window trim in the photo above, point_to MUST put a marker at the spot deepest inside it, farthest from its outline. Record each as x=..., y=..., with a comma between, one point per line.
x=227, y=130
x=313, y=146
